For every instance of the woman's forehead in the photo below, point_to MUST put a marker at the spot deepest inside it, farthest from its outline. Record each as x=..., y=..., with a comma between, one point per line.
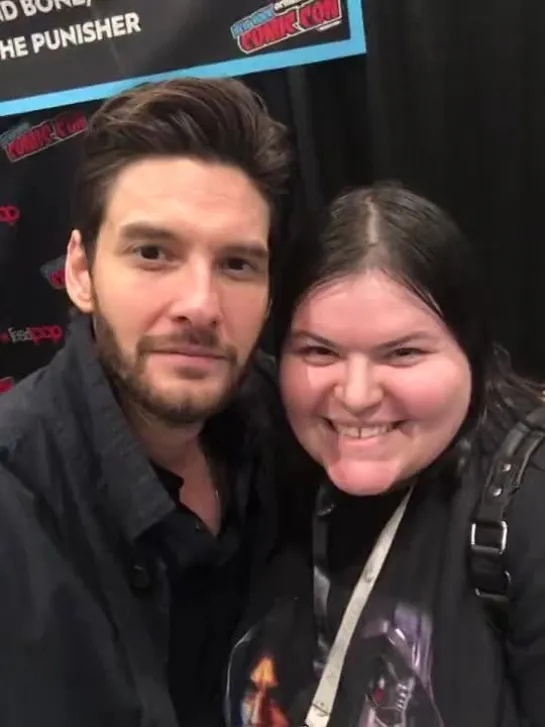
x=368, y=304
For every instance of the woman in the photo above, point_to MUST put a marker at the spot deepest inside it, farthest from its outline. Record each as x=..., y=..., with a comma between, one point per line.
x=394, y=387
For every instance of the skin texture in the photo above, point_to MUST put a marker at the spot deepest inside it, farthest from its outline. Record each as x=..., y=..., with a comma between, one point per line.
x=179, y=284
x=178, y=291
x=365, y=352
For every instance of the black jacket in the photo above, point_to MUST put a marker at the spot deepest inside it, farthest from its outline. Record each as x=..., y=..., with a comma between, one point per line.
x=425, y=652
x=84, y=607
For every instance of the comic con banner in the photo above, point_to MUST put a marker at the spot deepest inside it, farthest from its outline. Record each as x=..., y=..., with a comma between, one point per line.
x=58, y=52
x=58, y=59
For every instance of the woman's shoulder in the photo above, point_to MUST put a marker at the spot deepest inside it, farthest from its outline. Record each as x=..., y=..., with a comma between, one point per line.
x=511, y=461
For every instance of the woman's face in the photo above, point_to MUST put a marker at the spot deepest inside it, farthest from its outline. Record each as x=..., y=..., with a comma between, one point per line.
x=374, y=384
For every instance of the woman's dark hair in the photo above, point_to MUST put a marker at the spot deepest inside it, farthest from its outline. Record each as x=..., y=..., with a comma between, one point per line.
x=387, y=227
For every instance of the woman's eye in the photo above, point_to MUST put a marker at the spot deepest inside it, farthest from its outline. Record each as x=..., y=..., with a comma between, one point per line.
x=239, y=266
x=405, y=354
x=318, y=354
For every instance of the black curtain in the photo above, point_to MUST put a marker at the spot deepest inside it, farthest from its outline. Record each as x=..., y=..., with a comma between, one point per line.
x=449, y=100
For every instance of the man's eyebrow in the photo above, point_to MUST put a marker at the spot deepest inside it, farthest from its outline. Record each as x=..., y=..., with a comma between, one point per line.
x=146, y=231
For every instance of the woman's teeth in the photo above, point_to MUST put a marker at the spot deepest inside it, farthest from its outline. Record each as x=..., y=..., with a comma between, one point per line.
x=362, y=432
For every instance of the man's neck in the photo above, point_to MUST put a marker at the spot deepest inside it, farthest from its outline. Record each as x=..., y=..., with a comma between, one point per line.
x=178, y=450
x=169, y=447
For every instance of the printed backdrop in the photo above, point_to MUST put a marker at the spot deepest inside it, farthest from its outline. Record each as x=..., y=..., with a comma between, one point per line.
x=37, y=162
x=57, y=58
x=56, y=52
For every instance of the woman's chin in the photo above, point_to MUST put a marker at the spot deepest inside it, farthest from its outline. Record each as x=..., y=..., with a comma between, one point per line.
x=363, y=478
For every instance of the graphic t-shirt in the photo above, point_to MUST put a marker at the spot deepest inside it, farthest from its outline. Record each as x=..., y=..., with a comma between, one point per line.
x=422, y=654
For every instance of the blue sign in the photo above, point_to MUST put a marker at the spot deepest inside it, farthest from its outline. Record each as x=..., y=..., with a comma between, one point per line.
x=59, y=52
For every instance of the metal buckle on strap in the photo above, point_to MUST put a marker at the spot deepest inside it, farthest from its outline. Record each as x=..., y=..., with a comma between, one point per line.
x=480, y=549
x=499, y=598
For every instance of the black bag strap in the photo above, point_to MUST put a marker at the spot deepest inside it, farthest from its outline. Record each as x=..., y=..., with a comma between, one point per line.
x=489, y=529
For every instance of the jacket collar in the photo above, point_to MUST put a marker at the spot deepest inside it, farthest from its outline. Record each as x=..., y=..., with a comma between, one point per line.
x=134, y=494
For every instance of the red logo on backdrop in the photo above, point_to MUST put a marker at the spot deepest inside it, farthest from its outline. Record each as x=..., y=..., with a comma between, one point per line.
x=33, y=334
x=282, y=20
x=6, y=384
x=37, y=138
x=53, y=272
x=9, y=214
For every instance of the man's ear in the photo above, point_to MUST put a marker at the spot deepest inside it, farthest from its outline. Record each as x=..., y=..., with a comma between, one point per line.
x=78, y=274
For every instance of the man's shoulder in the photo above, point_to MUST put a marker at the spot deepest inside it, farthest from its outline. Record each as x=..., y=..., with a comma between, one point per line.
x=32, y=414
x=19, y=408
x=48, y=396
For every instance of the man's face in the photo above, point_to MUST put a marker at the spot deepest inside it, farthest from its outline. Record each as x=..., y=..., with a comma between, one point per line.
x=178, y=287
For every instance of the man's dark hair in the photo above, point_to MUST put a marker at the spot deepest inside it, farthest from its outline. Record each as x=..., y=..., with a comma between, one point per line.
x=213, y=120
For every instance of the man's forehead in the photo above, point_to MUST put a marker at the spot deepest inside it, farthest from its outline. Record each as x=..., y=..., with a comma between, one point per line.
x=165, y=190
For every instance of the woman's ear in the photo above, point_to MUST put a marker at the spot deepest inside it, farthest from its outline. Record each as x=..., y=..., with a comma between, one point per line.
x=78, y=275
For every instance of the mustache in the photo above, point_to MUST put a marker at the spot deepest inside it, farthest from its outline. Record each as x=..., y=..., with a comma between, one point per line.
x=204, y=339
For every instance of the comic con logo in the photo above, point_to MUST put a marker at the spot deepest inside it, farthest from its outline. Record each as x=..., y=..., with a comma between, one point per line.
x=33, y=334
x=282, y=20
x=53, y=272
x=9, y=214
x=6, y=383
x=24, y=140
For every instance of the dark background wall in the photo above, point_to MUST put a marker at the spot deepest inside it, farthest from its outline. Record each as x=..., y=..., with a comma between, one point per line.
x=448, y=100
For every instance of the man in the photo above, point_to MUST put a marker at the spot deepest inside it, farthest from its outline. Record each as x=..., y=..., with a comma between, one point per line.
x=134, y=482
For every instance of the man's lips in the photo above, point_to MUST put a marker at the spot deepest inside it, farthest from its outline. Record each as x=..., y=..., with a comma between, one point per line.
x=190, y=351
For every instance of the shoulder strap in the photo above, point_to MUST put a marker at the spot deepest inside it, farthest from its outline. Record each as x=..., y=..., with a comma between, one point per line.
x=489, y=528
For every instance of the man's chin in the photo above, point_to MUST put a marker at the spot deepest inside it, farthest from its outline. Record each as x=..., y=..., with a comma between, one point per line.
x=179, y=407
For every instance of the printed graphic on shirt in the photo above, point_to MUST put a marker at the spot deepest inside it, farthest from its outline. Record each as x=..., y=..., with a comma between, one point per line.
x=267, y=674
x=259, y=706
x=399, y=691
x=386, y=680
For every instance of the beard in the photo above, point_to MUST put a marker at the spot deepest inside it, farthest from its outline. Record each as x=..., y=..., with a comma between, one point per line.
x=130, y=381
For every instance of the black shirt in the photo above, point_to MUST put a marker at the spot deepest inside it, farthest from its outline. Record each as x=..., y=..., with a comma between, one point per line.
x=208, y=578
x=424, y=653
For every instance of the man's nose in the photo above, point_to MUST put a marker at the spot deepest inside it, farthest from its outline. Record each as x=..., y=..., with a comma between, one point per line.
x=197, y=299
x=359, y=388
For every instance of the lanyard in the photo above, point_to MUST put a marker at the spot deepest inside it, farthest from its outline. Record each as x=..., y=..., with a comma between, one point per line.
x=324, y=697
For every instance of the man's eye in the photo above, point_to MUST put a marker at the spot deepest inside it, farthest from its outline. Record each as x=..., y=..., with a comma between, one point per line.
x=150, y=252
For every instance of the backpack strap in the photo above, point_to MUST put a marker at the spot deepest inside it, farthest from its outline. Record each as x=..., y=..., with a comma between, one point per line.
x=489, y=529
